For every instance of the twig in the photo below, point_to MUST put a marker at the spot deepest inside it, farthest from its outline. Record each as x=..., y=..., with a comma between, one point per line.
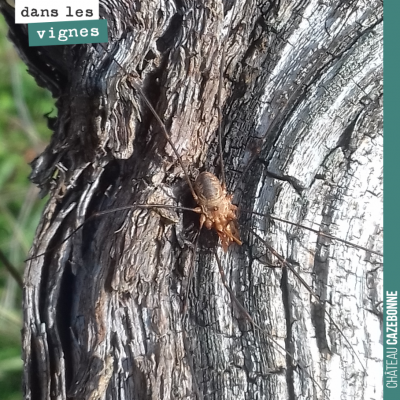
x=11, y=269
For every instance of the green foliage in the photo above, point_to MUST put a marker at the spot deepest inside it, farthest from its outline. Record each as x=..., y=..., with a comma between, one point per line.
x=23, y=136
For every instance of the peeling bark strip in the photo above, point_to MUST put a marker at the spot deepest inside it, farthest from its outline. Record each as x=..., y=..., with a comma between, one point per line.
x=302, y=111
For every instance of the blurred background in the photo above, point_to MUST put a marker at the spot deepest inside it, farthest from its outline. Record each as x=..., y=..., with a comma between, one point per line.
x=23, y=135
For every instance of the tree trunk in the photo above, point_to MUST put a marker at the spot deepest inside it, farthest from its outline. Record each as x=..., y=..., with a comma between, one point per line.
x=302, y=139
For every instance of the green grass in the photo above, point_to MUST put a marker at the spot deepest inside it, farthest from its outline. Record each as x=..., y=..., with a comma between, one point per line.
x=23, y=136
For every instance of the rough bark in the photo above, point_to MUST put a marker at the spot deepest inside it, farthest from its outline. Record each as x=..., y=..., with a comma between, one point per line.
x=302, y=117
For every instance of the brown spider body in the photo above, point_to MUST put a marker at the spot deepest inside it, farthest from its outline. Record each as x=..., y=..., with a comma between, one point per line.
x=215, y=208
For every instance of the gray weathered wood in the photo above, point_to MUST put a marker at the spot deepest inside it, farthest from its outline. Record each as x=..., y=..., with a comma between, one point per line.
x=302, y=115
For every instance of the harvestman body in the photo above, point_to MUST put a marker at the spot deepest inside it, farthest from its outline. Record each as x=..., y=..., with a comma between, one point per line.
x=215, y=208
